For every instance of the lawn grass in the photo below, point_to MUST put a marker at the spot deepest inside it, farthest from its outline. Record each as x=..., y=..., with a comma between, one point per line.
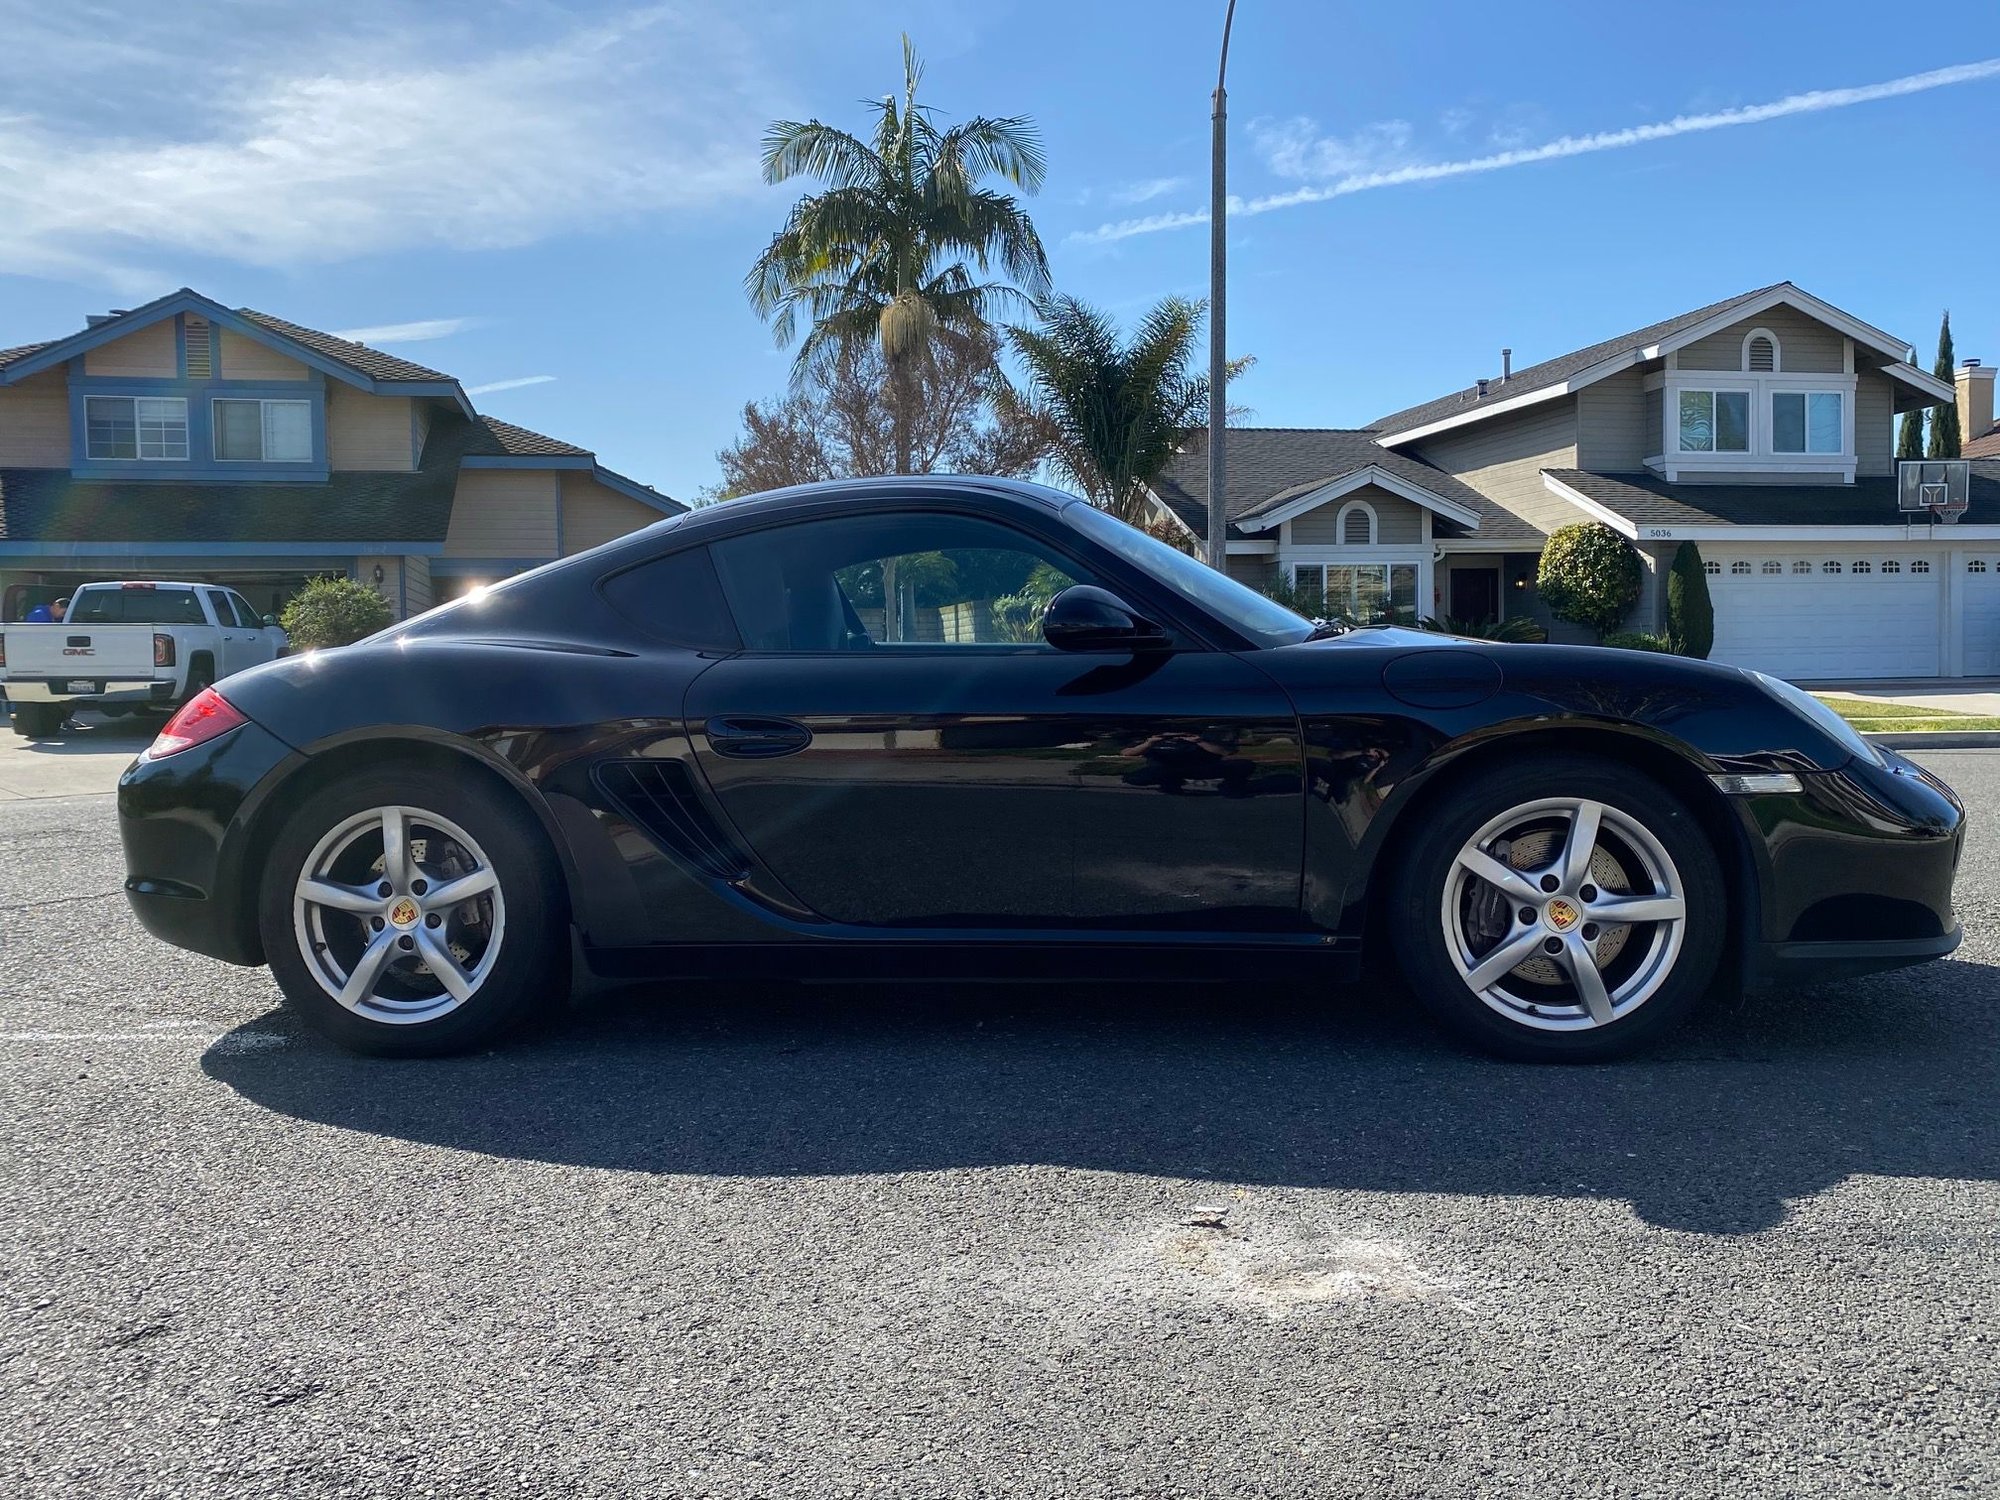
x=1903, y=718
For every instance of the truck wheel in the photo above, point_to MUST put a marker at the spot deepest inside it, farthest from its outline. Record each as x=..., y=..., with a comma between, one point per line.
x=39, y=721
x=201, y=676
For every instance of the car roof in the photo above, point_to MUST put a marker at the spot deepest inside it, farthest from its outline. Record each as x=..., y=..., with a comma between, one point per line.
x=916, y=486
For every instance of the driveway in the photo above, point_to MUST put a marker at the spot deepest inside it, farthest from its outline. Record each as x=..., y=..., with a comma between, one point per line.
x=835, y=1241
x=84, y=760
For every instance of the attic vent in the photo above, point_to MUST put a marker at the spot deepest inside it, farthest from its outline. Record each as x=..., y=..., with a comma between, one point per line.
x=199, y=336
x=1760, y=352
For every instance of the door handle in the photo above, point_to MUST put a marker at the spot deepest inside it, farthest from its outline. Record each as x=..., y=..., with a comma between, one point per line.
x=744, y=738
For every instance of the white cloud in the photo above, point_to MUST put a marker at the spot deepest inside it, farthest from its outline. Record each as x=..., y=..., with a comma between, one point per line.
x=1295, y=148
x=420, y=332
x=508, y=385
x=1145, y=192
x=363, y=129
x=1296, y=155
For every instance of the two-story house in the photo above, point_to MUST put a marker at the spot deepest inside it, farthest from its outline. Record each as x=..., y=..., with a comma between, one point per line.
x=186, y=439
x=1759, y=428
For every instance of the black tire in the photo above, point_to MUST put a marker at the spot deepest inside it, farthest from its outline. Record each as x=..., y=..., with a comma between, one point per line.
x=531, y=972
x=39, y=721
x=1417, y=919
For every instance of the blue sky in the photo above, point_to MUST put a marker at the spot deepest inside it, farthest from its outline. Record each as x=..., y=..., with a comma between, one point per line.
x=560, y=200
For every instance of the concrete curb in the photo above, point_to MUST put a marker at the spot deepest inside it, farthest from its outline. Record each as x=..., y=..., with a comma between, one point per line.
x=1939, y=739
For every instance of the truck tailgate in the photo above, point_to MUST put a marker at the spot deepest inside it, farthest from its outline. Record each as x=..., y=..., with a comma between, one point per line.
x=95, y=654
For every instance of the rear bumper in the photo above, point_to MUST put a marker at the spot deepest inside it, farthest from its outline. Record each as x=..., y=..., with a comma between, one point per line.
x=115, y=689
x=186, y=823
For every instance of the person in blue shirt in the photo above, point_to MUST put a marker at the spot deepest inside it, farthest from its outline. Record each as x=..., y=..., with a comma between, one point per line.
x=40, y=615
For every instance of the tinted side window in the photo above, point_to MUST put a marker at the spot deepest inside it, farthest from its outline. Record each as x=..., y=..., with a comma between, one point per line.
x=219, y=602
x=676, y=598
x=137, y=607
x=245, y=615
x=909, y=580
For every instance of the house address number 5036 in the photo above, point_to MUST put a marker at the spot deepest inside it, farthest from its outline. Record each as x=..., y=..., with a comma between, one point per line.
x=1659, y=533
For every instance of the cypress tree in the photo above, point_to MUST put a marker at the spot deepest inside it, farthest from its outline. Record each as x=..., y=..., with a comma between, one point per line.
x=1944, y=421
x=1690, y=612
x=1910, y=434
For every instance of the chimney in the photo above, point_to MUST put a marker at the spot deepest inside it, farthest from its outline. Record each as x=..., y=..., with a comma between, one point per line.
x=1506, y=365
x=1975, y=399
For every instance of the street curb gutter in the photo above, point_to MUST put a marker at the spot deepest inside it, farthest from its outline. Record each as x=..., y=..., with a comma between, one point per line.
x=1939, y=739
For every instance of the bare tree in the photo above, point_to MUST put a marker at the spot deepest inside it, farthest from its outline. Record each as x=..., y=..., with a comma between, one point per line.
x=839, y=422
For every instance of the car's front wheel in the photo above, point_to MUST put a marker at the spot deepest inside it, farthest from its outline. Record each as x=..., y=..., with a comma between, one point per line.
x=411, y=913
x=1568, y=909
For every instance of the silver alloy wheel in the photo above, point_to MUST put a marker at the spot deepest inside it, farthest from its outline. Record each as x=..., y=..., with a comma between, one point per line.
x=1564, y=914
x=399, y=915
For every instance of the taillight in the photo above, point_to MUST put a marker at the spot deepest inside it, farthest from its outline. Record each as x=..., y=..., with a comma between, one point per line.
x=206, y=716
x=163, y=650
x=3, y=650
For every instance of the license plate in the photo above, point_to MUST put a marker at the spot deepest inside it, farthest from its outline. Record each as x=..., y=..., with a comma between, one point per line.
x=80, y=685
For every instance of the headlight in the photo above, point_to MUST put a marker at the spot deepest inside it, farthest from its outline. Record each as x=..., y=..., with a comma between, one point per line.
x=1823, y=718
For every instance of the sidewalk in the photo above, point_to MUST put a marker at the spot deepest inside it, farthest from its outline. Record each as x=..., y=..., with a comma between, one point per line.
x=1961, y=695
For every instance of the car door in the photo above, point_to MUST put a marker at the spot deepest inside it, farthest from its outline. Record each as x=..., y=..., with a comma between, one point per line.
x=901, y=747
x=269, y=637
x=236, y=648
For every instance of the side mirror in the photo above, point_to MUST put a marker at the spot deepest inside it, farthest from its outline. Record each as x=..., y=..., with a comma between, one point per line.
x=1086, y=618
x=270, y=622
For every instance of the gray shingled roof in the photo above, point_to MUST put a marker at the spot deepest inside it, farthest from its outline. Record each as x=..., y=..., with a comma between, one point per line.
x=22, y=351
x=505, y=439
x=1270, y=465
x=1552, y=372
x=1647, y=500
x=370, y=362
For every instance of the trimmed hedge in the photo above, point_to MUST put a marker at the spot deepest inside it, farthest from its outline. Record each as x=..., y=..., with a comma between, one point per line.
x=1637, y=640
x=334, y=611
x=1590, y=575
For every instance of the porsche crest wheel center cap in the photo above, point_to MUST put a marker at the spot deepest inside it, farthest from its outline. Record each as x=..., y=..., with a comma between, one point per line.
x=1561, y=915
x=404, y=913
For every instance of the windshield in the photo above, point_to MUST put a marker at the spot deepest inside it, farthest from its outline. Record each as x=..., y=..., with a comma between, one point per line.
x=1246, y=611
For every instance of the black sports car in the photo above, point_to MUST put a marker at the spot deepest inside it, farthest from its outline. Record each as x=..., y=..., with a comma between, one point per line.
x=967, y=725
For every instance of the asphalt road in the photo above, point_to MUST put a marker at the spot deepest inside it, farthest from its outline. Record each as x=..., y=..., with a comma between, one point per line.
x=834, y=1242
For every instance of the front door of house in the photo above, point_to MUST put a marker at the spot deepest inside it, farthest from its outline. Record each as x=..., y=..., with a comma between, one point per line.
x=1475, y=593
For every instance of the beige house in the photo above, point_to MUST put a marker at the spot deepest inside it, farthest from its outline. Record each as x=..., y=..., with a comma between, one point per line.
x=185, y=439
x=1760, y=428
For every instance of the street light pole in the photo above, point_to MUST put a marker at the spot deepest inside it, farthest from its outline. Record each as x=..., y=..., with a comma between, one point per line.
x=1218, y=373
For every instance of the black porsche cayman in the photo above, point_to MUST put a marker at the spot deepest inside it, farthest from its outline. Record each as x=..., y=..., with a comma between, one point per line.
x=973, y=726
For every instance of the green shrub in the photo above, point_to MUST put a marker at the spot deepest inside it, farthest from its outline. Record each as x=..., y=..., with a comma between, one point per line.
x=1590, y=575
x=1637, y=640
x=1520, y=628
x=1690, y=612
x=333, y=611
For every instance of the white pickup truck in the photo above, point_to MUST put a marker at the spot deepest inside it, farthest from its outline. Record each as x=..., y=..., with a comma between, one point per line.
x=123, y=646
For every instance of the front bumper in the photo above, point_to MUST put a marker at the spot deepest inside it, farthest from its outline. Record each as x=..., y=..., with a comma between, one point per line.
x=1857, y=873
x=186, y=823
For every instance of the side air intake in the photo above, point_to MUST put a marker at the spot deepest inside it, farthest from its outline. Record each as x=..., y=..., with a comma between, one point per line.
x=659, y=799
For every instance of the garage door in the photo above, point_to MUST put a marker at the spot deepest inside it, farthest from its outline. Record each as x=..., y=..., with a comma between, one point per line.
x=1831, y=613
x=1980, y=601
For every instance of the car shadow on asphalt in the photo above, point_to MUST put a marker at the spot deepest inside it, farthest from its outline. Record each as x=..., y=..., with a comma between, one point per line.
x=1760, y=1103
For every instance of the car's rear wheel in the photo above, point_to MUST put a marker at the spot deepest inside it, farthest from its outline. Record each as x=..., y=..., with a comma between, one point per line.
x=411, y=913
x=1568, y=909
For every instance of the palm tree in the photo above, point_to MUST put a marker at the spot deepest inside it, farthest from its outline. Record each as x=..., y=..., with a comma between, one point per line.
x=901, y=247
x=1120, y=411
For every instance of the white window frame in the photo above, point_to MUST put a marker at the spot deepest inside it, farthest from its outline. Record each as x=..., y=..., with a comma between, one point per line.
x=139, y=454
x=1712, y=391
x=1771, y=396
x=263, y=430
x=1671, y=461
x=1387, y=567
x=1340, y=524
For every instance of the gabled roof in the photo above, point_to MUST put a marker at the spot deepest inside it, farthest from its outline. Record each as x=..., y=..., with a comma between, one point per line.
x=1982, y=445
x=371, y=362
x=1571, y=372
x=1271, y=467
x=355, y=364
x=1643, y=500
x=505, y=439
